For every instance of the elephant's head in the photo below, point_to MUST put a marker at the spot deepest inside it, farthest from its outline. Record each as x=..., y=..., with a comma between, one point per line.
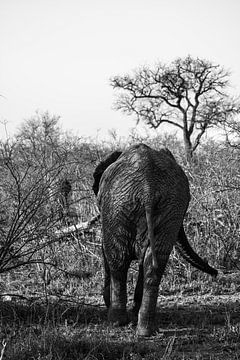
x=102, y=167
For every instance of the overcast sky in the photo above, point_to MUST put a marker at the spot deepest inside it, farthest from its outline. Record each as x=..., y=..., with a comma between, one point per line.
x=58, y=55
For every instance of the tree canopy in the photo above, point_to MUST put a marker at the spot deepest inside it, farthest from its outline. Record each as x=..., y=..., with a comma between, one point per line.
x=189, y=93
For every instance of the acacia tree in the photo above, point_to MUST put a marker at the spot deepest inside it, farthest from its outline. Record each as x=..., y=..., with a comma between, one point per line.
x=190, y=94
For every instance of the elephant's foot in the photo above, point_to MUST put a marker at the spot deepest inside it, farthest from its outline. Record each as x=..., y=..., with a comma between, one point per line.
x=118, y=317
x=146, y=325
x=145, y=330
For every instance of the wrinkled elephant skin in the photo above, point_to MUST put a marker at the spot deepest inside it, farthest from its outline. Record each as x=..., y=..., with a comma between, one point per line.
x=143, y=195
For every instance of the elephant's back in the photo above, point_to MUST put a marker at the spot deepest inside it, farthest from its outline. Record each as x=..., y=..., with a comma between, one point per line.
x=142, y=175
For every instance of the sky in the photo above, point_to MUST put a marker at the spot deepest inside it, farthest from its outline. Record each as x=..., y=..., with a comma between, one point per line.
x=58, y=55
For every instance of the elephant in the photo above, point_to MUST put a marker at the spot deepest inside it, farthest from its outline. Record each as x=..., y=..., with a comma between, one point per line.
x=142, y=195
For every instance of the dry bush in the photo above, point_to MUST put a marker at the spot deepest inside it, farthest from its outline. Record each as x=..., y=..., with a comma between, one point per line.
x=33, y=165
x=213, y=216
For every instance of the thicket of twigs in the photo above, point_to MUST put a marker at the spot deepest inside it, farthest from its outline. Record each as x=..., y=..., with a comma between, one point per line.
x=45, y=185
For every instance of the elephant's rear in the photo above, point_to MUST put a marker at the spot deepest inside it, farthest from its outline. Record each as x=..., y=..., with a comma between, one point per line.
x=165, y=194
x=141, y=180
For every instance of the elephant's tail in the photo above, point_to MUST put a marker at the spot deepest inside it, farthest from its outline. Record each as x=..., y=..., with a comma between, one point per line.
x=189, y=254
x=151, y=238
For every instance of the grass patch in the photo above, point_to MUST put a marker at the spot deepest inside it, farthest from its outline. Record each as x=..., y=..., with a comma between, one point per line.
x=203, y=323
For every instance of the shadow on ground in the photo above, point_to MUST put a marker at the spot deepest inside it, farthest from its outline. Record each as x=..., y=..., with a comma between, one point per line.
x=189, y=313
x=66, y=331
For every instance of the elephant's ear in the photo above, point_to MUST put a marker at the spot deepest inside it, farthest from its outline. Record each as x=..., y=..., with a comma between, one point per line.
x=168, y=152
x=102, y=167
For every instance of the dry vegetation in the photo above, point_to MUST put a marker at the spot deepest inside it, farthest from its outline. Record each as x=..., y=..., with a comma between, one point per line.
x=50, y=289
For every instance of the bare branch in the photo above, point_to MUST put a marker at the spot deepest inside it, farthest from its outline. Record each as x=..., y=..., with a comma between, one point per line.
x=189, y=94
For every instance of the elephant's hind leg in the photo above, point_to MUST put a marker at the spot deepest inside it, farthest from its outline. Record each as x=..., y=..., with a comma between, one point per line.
x=151, y=280
x=117, y=313
x=117, y=260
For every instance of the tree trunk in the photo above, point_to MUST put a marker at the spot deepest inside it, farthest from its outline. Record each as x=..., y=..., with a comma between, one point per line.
x=188, y=147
